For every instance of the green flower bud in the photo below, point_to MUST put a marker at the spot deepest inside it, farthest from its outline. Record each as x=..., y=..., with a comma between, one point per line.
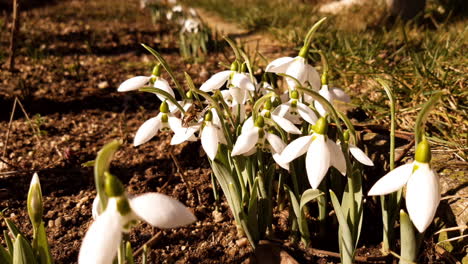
x=346, y=135
x=259, y=122
x=112, y=185
x=35, y=206
x=157, y=70
x=234, y=66
x=164, y=118
x=267, y=114
x=423, y=151
x=164, y=108
x=325, y=78
x=208, y=116
x=123, y=206
x=267, y=105
x=189, y=95
x=294, y=94
x=321, y=126
x=304, y=52
x=243, y=67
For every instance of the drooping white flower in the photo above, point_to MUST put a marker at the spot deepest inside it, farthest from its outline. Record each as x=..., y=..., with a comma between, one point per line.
x=331, y=94
x=254, y=136
x=212, y=135
x=294, y=110
x=103, y=238
x=298, y=68
x=239, y=84
x=164, y=121
x=191, y=25
x=322, y=153
x=422, y=187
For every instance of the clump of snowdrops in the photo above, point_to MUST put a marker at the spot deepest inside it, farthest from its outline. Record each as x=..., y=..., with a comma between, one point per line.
x=264, y=142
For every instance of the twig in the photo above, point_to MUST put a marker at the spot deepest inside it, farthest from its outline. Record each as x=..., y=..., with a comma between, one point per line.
x=7, y=163
x=405, y=151
x=14, y=30
x=9, y=127
x=35, y=132
x=148, y=244
x=181, y=173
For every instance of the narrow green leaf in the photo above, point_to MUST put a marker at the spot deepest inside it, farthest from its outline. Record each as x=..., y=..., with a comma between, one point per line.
x=169, y=97
x=43, y=246
x=103, y=160
x=421, y=119
x=294, y=203
x=346, y=235
x=409, y=250
x=12, y=227
x=5, y=256
x=8, y=241
x=308, y=196
x=252, y=216
x=129, y=253
x=23, y=254
x=167, y=68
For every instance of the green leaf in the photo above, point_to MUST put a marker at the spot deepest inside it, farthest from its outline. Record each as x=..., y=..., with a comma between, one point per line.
x=43, y=246
x=308, y=196
x=23, y=253
x=5, y=256
x=165, y=94
x=409, y=250
x=252, y=216
x=129, y=253
x=346, y=235
x=422, y=116
x=12, y=227
x=103, y=160
x=167, y=68
x=8, y=241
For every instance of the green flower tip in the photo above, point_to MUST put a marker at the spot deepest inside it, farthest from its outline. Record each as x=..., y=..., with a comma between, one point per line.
x=304, y=52
x=164, y=108
x=260, y=122
x=157, y=70
x=112, y=185
x=235, y=66
x=208, y=116
x=325, y=78
x=423, y=151
x=243, y=67
x=267, y=105
x=346, y=135
x=189, y=95
x=321, y=126
x=294, y=94
x=123, y=206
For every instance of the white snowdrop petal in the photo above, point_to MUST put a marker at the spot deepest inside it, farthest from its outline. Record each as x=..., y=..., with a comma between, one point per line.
x=161, y=211
x=296, y=149
x=282, y=109
x=392, y=181
x=317, y=161
x=313, y=77
x=306, y=113
x=279, y=65
x=340, y=95
x=238, y=95
x=279, y=161
x=162, y=84
x=175, y=124
x=422, y=196
x=248, y=125
x=324, y=92
x=285, y=124
x=242, y=81
x=148, y=130
x=245, y=142
x=216, y=81
x=209, y=140
x=298, y=70
x=360, y=156
x=134, y=83
x=275, y=142
x=96, y=209
x=337, y=158
x=184, y=134
x=102, y=240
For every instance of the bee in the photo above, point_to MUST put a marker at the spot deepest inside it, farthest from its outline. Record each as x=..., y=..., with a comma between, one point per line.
x=194, y=113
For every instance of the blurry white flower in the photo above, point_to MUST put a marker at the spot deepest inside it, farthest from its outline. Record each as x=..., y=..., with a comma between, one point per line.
x=422, y=187
x=239, y=84
x=212, y=134
x=191, y=25
x=331, y=95
x=103, y=238
x=293, y=110
x=298, y=68
x=322, y=153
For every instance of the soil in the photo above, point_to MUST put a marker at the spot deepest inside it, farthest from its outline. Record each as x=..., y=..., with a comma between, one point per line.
x=72, y=56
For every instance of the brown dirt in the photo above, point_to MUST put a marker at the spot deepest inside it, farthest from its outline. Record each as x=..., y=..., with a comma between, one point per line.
x=72, y=57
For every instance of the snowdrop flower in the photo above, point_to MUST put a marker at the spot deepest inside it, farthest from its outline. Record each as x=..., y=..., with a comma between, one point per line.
x=254, y=137
x=236, y=108
x=356, y=152
x=271, y=118
x=164, y=121
x=191, y=25
x=422, y=187
x=293, y=110
x=322, y=153
x=212, y=135
x=298, y=68
x=239, y=84
x=155, y=80
x=331, y=95
x=101, y=242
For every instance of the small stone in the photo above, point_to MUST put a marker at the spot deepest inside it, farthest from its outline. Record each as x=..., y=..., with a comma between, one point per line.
x=183, y=247
x=217, y=216
x=50, y=224
x=58, y=222
x=243, y=242
x=103, y=85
